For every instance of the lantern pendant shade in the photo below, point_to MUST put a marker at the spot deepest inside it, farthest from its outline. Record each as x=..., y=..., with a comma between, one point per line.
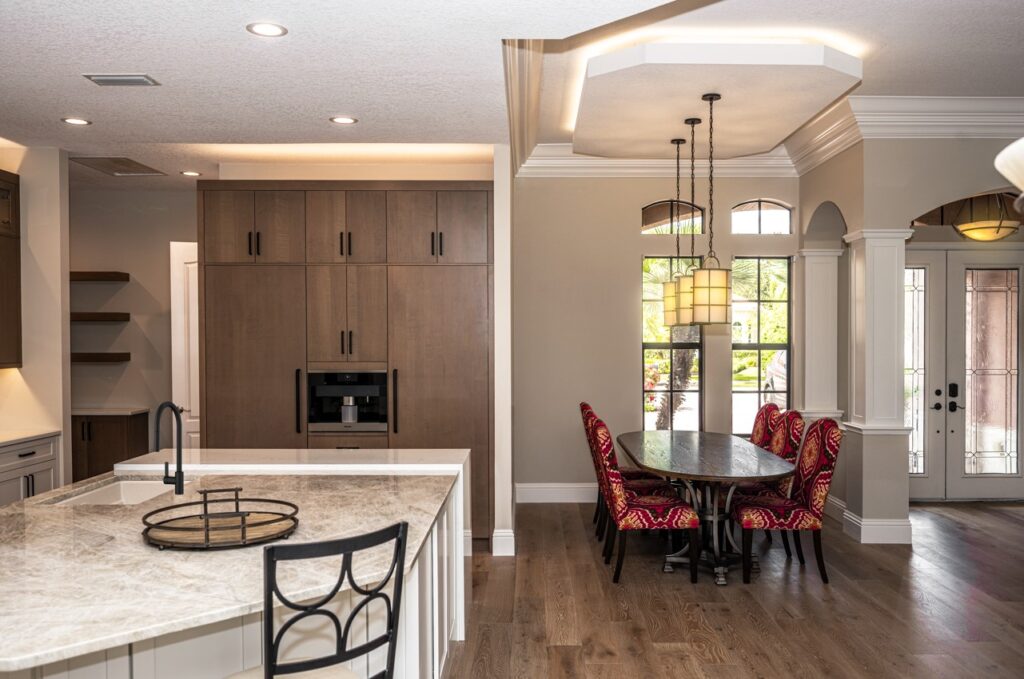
x=712, y=296
x=669, y=299
x=684, y=300
x=988, y=218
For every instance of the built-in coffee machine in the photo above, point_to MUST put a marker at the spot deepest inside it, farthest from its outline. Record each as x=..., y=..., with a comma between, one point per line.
x=348, y=401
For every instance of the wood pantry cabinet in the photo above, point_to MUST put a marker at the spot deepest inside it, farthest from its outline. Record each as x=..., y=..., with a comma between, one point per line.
x=263, y=227
x=446, y=227
x=10, y=272
x=346, y=226
x=346, y=313
x=98, y=442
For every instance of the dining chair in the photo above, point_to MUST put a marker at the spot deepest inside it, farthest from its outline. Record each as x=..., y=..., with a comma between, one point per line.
x=637, y=481
x=805, y=508
x=330, y=665
x=762, y=431
x=631, y=511
x=781, y=434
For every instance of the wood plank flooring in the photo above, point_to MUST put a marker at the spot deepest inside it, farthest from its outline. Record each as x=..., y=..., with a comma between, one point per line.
x=951, y=606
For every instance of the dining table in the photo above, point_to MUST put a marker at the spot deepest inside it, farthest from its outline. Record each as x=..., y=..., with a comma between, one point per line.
x=710, y=467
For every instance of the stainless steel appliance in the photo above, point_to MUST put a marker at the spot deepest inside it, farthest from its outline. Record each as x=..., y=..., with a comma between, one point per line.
x=347, y=401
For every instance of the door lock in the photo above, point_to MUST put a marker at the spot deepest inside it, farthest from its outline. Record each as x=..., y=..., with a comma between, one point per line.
x=937, y=406
x=953, y=407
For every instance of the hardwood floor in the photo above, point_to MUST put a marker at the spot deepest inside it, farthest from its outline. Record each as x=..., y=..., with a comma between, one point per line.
x=951, y=606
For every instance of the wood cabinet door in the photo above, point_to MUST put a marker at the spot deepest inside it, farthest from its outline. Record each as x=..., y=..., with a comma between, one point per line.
x=462, y=227
x=10, y=211
x=107, y=441
x=438, y=353
x=10, y=302
x=366, y=241
x=228, y=227
x=367, y=313
x=280, y=227
x=412, y=227
x=325, y=227
x=13, y=486
x=326, y=316
x=255, y=356
x=79, y=448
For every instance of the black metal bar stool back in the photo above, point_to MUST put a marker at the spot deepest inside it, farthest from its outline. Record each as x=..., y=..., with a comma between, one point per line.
x=345, y=547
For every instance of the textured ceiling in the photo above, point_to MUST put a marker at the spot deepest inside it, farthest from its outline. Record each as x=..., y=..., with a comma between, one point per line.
x=910, y=47
x=411, y=71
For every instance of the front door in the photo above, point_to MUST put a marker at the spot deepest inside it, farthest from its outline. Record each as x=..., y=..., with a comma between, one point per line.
x=962, y=381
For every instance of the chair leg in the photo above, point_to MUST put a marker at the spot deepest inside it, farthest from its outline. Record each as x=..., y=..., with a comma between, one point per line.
x=622, y=555
x=694, y=552
x=597, y=507
x=799, y=549
x=609, y=542
x=748, y=539
x=819, y=556
x=602, y=522
x=785, y=544
x=768, y=536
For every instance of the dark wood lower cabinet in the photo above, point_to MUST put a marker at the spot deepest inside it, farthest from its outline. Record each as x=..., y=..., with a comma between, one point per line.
x=100, y=441
x=348, y=441
x=438, y=330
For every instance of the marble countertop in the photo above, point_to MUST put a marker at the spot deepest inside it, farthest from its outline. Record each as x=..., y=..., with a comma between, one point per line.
x=122, y=411
x=79, y=578
x=10, y=437
x=303, y=461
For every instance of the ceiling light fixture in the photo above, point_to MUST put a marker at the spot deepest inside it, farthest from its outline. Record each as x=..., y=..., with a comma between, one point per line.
x=1010, y=163
x=684, y=284
x=712, y=285
x=76, y=121
x=986, y=218
x=267, y=30
x=191, y=173
x=343, y=120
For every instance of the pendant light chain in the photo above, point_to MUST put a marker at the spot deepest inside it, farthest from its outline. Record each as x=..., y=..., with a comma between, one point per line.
x=711, y=180
x=676, y=206
x=693, y=190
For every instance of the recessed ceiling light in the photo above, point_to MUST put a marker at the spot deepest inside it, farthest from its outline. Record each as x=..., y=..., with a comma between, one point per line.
x=191, y=173
x=76, y=121
x=344, y=120
x=266, y=30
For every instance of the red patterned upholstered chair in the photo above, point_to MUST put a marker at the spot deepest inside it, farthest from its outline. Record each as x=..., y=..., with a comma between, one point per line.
x=637, y=481
x=630, y=512
x=804, y=509
x=763, y=421
x=785, y=434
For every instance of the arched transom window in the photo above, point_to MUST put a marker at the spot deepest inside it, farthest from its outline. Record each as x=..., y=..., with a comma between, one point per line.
x=761, y=216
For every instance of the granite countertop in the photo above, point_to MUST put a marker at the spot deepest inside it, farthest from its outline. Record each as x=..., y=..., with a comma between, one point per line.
x=10, y=437
x=79, y=578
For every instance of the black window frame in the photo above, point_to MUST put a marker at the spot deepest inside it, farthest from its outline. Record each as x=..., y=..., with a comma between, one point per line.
x=760, y=202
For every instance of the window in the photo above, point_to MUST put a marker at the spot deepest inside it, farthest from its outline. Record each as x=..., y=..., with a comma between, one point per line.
x=913, y=364
x=671, y=357
x=657, y=218
x=760, y=337
x=761, y=216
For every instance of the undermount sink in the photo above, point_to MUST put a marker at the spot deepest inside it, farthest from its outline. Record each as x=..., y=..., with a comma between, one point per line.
x=121, y=493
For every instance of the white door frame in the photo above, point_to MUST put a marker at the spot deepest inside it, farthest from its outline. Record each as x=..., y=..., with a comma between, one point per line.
x=185, y=337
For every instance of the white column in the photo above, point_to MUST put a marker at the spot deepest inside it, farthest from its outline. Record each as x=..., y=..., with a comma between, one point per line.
x=817, y=362
x=503, y=540
x=877, y=483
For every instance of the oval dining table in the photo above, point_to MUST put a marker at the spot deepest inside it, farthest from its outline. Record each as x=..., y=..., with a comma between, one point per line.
x=707, y=464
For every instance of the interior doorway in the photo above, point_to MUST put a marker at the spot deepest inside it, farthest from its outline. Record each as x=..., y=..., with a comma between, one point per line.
x=962, y=381
x=185, y=338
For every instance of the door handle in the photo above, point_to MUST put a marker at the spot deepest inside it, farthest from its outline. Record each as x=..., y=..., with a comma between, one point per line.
x=394, y=400
x=349, y=237
x=351, y=344
x=937, y=406
x=298, y=400
x=953, y=407
x=440, y=243
x=432, y=236
x=250, y=243
x=258, y=253
x=341, y=243
x=342, y=342
x=28, y=454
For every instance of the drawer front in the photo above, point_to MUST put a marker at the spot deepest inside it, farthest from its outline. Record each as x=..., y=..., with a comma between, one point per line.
x=347, y=441
x=33, y=452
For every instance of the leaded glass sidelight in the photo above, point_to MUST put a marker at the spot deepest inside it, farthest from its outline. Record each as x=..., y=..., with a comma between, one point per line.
x=913, y=365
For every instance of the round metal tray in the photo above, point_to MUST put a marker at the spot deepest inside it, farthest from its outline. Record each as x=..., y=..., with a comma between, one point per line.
x=246, y=521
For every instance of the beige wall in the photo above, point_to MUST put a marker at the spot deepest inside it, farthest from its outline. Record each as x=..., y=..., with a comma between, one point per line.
x=576, y=281
x=124, y=230
x=839, y=180
x=37, y=394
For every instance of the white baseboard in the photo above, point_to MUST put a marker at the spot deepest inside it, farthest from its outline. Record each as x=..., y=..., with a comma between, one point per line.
x=835, y=508
x=877, y=531
x=527, y=493
x=503, y=542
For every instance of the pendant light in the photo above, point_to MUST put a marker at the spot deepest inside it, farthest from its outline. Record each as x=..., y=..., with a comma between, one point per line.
x=986, y=218
x=712, y=287
x=684, y=283
x=652, y=213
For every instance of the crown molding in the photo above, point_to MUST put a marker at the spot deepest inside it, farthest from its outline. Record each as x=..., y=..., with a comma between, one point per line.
x=938, y=117
x=824, y=137
x=558, y=160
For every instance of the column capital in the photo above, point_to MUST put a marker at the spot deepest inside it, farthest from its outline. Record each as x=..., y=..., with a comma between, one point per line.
x=878, y=234
x=820, y=252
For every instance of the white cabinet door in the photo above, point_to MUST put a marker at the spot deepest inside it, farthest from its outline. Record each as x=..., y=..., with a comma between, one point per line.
x=12, y=487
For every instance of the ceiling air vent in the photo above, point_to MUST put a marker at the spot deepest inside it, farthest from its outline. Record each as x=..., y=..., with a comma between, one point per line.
x=119, y=167
x=123, y=80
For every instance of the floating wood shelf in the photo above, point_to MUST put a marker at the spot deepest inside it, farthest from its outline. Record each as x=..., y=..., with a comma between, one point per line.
x=102, y=357
x=100, y=316
x=100, y=276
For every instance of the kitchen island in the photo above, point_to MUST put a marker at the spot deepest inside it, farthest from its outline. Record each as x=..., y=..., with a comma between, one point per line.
x=83, y=595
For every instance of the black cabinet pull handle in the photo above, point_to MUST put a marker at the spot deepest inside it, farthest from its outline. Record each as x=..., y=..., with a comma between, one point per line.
x=349, y=237
x=32, y=479
x=341, y=243
x=346, y=447
x=250, y=243
x=298, y=400
x=432, y=253
x=394, y=400
x=342, y=342
x=258, y=253
x=440, y=243
x=28, y=486
x=351, y=344
x=28, y=454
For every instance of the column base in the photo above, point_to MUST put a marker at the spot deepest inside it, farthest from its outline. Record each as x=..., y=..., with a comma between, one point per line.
x=877, y=531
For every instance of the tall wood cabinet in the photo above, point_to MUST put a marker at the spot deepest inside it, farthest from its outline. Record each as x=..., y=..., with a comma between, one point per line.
x=100, y=440
x=10, y=272
x=327, y=275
